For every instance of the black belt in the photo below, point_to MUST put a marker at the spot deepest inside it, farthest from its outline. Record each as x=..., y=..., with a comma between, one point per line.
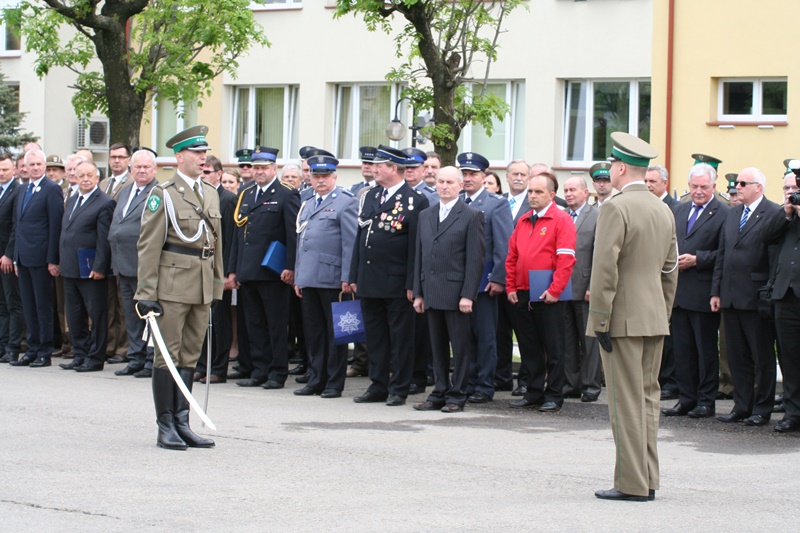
x=202, y=253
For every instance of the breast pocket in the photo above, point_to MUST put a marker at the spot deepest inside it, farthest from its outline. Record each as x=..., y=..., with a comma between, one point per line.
x=170, y=267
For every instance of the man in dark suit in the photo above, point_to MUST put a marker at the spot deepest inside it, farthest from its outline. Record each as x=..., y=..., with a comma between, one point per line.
x=657, y=180
x=742, y=267
x=85, y=262
x=39, y=209
x=497, y=230
x=582, y=370
x=447, y=271
x=123, y=237
x=11, y=323
x=517, y=175
x=266, y=213
x=221, y=332
x=694, y=327
x=783, y=230
x=382, y=275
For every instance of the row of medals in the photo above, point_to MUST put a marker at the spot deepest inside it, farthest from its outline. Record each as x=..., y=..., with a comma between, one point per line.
x=393, y=222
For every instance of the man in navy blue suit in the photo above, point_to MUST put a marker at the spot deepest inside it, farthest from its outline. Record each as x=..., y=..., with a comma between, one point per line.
x=40, y=207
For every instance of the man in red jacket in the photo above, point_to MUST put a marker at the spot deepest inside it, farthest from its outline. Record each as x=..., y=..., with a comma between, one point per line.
x=543, y=241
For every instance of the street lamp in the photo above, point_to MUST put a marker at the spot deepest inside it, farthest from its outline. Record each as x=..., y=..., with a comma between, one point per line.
x=396, y=130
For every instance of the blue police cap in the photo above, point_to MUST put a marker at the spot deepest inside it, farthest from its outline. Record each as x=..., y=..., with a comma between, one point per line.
x=264, y=156
x=368, y=153
x=322, y=164
x=416, y=157
x=472, y=161
x=387, y=154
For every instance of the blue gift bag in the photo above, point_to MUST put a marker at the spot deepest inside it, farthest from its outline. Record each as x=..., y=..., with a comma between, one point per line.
x=348, y=322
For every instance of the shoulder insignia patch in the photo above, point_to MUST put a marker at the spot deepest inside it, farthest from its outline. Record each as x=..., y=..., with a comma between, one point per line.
x=165, y=184
x=288, y=186
x=345, y=192
x=153, y=203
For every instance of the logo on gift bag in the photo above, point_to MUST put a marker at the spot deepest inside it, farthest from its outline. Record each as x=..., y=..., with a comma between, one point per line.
x=349, y=322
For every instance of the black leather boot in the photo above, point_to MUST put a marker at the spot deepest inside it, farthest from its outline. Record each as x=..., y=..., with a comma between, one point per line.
x=164, y=390
x=182, y=414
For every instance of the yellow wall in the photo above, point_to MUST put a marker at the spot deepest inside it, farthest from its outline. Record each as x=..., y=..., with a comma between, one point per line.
x=724, y=38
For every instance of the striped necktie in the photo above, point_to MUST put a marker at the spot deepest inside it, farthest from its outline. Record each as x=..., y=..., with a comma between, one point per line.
x=745, y=216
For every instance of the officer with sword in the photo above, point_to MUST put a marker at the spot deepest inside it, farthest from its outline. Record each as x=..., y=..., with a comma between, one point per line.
x=180, y=274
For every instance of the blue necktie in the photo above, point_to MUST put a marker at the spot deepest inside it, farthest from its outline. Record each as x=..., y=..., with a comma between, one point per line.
x=574, y=216
x=512, y=203
x=319, y=201
x=745, y=216
x=28, y=195
x=695, y=212
x=468, y=200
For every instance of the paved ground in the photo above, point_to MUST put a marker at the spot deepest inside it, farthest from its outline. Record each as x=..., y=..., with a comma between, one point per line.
x=79, y=454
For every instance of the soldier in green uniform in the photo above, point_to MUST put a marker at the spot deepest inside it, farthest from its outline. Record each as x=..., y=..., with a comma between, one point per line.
x=180, y=274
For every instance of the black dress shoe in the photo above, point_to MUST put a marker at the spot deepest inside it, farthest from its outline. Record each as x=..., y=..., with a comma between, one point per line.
x=588, y=398
x=733, y=416
x=479, y=397
x=9, y=357
x=778, y=399
x=452, y=408
x=271, y=384
x=72, y=365
x=127, y=371
x=301, y=379
x=89, y=368
x=428, y=406
x=394, y=400
x=667, y=394
x=757, y=420
x=144, y=373
x=779, y=409
x=250, y=382
x=522, y=390
x=238, y=375
x=331, y=393
x=415, y=389
x=787, y=425
x=523, y=403
x=26, y=360
x=370, y=397
x=503, y=386
x=722, y=396
x=40, y=362
x=549, y=407
x=701, y=411
x=679, y=409
x=305, y=391
x=572, y=394
x=613, y=494
x=116, y=359
x=299, y=370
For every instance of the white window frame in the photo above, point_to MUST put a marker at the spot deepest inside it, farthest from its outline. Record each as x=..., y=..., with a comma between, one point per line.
x=588, y=140
x=3, y=51
x=757, y=100
x=353, y=119
x=290, y=102
x=513, y=90
x=180, y=124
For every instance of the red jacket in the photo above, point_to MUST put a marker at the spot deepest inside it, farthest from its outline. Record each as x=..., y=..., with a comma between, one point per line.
x=549, y=245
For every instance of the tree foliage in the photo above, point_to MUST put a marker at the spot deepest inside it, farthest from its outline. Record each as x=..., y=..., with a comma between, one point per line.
x=174, y=48
x=10, y=118
x=443, y=42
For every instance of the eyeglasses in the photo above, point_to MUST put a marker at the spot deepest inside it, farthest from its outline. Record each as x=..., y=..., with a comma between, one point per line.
x=245, y=165
x=745, y=183
x=207, y=172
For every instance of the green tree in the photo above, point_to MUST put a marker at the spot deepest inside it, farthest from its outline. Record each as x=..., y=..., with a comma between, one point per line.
x=448, y=37
x=174, y=48
x=11, y=118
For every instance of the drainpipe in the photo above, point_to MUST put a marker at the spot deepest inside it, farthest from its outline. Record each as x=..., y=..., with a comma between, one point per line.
x=670, y=60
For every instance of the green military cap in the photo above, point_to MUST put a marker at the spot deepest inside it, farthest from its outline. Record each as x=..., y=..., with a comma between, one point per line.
x=707, y=159
x=731, y=177
x=54, y=161
x=245, y=155
x=600, y=171
x=631, y=150
x=193, y=139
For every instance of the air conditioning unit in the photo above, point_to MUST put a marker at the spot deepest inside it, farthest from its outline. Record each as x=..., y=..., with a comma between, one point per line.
x=93, y=133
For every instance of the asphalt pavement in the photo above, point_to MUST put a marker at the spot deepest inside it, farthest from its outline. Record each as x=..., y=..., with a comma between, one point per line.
x=79, y=454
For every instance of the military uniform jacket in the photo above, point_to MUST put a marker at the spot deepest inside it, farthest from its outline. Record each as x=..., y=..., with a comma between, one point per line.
x=694, y=284
x=171, y=276
x=86, y=228
x=274, y=218
x=107, y=184
x=634, y=268
x=325, y=239
x=383, y=258
x=498, y=229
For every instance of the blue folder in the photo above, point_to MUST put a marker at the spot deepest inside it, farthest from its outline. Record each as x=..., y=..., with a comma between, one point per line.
x=86, y=261
x=487, y=272
x=275, y=258
x=540, y=281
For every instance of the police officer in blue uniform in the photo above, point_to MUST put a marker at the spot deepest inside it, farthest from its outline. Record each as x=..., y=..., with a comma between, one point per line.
x=415, y=173
x=326, y=233
x=383, y=276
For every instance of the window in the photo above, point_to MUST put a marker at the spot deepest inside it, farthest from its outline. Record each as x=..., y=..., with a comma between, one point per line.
x=362, y=114
x=9, y=41
x=169, y=119
x=266, y=116
x=752, y=100
x=507, y=139
x=594, y=109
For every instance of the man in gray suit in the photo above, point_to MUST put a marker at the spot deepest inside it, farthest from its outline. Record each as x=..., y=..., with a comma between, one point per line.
x=326, y=229
x=582, y=356
x=123, y=237
x=447, y=272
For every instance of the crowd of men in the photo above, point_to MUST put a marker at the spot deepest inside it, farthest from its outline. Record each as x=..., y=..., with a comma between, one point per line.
x=447, y=274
